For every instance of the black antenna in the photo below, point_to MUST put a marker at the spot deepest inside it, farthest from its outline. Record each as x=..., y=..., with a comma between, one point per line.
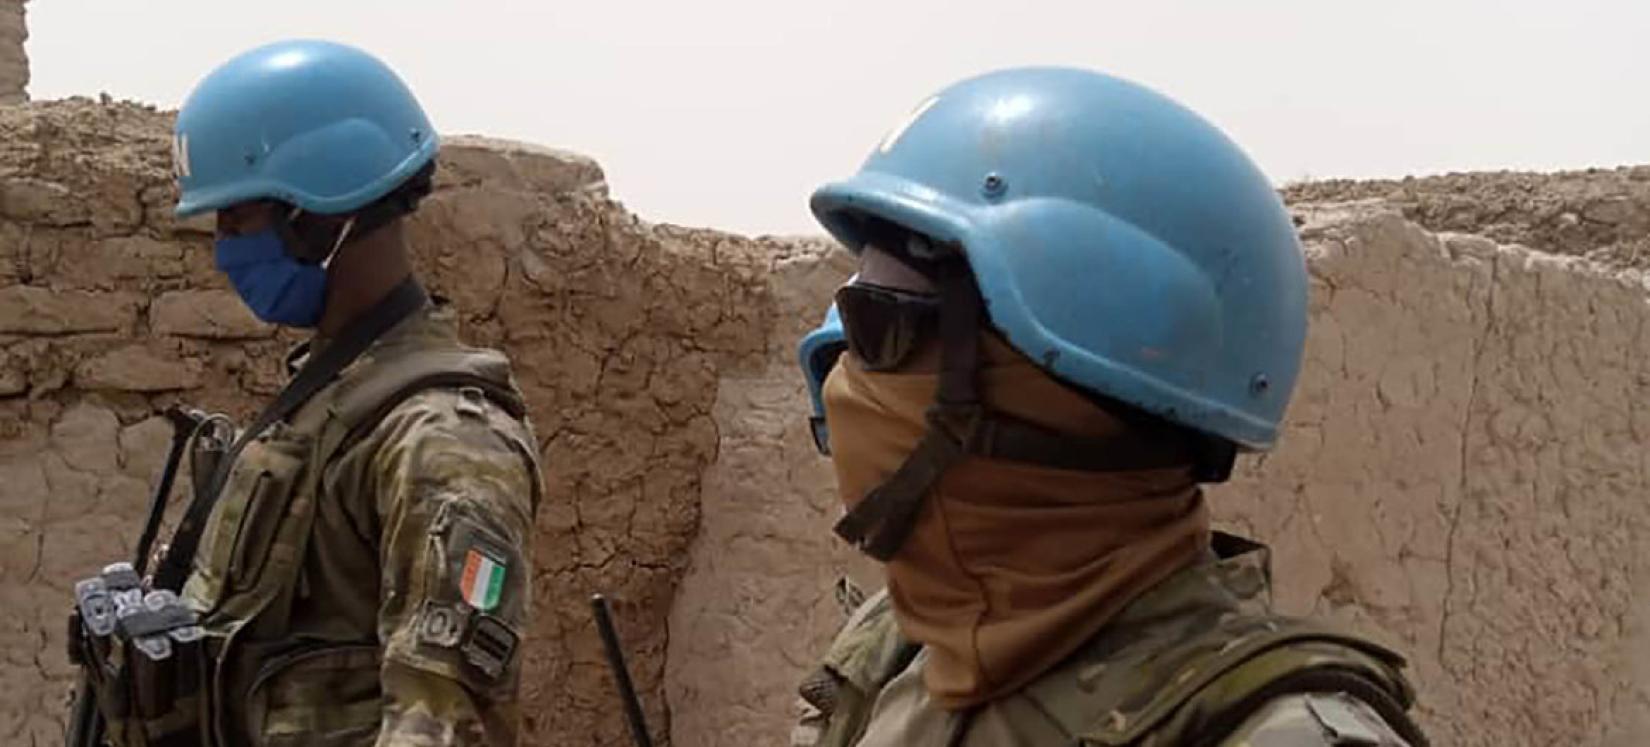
x=621, y=673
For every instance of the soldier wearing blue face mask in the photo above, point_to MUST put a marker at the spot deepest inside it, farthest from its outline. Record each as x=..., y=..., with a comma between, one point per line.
x=358, y=562
x=308, y=156
x=263, y=262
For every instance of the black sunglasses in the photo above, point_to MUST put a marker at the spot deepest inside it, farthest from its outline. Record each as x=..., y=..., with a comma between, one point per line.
x=884, y=326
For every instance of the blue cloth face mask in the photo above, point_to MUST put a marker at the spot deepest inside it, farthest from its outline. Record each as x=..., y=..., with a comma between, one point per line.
x=277, y=287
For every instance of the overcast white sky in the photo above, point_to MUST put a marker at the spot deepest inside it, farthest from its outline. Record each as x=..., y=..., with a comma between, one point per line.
x=727, y=113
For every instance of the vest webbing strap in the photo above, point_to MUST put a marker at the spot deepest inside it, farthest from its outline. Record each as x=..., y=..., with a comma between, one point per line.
x=402, y=302
x=1325, y=680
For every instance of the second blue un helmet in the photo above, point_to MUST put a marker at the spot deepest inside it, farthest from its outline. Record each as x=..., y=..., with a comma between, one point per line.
x=321, y=126
x=1117, y=238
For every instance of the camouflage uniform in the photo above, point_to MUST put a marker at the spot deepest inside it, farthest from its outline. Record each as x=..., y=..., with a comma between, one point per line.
x=1197, y=660
x=365, y=577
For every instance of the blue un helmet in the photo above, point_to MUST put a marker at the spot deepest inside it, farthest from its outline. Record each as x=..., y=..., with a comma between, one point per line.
x=818, y=352
x=321, y=126
x=1117, y=239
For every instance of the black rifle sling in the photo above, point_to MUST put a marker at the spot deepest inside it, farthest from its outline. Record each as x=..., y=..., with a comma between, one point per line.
x=402, y=302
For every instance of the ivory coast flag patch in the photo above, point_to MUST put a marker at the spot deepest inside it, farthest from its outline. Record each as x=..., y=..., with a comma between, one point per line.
x=483, y=580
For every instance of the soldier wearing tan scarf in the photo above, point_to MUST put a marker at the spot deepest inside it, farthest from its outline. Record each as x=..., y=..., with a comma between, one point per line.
x=1010, y=566
x=1022, y=390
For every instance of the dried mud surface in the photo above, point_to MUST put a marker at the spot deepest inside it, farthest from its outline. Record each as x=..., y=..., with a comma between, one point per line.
x=1463, y=472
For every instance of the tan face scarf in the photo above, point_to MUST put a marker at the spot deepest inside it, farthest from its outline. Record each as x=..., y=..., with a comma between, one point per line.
x=1011, y=566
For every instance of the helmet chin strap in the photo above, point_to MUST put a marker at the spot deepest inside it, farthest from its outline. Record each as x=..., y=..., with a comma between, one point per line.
x=339, y=243
x=960, y=425
x=304, y=237
x=891, y=509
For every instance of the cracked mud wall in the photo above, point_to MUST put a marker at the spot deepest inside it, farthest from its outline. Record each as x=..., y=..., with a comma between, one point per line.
x=1463, y=474
x=757, y=603
x=1464, y=469
x=110, y=310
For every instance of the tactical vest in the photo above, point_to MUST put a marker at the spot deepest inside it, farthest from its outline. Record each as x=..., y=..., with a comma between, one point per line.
x=246, y=571
x=1190, y=679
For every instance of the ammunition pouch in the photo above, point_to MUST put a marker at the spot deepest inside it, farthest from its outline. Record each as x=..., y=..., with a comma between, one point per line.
x=143, y=660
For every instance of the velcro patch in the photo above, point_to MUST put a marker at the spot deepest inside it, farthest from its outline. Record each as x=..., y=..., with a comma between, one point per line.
x=442, y=625
x=490, y=645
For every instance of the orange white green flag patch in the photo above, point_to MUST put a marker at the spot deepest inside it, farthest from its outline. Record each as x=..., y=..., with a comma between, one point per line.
x=483, y=580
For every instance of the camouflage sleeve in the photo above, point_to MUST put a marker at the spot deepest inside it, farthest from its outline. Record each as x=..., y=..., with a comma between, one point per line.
x=834, y=701
x=1311, y=720
x=456, y=486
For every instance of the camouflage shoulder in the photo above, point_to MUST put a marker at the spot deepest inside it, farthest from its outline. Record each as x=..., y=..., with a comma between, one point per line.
x=452, y=434
x=1203, y=682
x=869, y=648
x=449, y=405
x=834, y=699
x=1316, y=720
x=457, y=401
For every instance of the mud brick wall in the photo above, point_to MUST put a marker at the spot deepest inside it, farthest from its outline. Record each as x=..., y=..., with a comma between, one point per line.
x=1463, y=473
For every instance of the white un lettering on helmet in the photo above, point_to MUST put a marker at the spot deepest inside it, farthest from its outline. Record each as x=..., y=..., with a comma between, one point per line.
x=893, y=135
x=180, y=155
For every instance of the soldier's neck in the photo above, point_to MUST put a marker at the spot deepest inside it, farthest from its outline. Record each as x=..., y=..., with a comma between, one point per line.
x=362, y=274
